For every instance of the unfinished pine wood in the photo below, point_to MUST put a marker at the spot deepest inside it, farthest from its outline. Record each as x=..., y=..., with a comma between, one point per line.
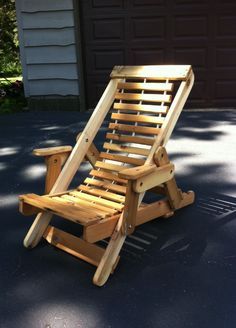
x=92, y=154
x=126, y=149
x=158, y=176
x=130, y=208
x=68, y=199
x=122, y=159
x=137, y=118
x=106, y=185
x=161, y=72
x=53, y=164
x=74, y=213
x=133, y=139
x=135, y=173
x=107, y=176
x=97, y=200
x=106, y=210
x=155, y=98
x=111, y=255
x=52, y=150
x=172, y=191
x=76, y=157
x=27, y=209
x=155, y=109
x=145, y=86
x=109, y=166
x=173, y=115
x=134, y=128
x=104, y=229
x=99, y=192
x=73, y=245
x=92, y=204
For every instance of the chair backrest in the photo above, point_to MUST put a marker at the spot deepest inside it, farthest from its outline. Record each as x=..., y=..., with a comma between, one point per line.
x=147, y=103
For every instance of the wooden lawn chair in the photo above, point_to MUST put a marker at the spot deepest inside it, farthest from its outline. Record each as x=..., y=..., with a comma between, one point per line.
x=145, y=103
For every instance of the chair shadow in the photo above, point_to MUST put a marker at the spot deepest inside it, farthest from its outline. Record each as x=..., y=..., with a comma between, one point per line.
x=162, y=241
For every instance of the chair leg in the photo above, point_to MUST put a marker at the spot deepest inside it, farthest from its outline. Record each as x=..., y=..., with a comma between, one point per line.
x=110, y=256
x=37, y=229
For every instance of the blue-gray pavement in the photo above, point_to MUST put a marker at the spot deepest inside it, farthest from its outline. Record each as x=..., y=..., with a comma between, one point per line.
x=173, y=273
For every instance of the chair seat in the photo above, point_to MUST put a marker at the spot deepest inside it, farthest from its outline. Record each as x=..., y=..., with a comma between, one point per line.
x=75, y=206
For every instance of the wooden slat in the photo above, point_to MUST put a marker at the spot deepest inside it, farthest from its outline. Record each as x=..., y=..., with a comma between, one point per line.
x=145, y=86
x=106, y=185
x=107, y=176
x=157, y=109
x=143, y=97
x=123, y=159
x=126, y=149
x=157, y=72
x=98, y=200
x=105, y=194
x=74, y=213
x=133, y=128
x=73, y=245
x=128, y=138
x=137, y=118
x=109, y=166
x=99, y=209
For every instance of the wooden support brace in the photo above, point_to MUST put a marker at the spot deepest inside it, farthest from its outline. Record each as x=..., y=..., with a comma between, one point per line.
x=105, y=228
x=92, y=154
x=173, y=193
x=75, y=246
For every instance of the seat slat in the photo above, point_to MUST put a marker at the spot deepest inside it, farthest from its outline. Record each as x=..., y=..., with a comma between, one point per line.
x=74, y=213
x=137, y=118
x=157, y=109
x=67, y=199
x=133, y=139
x=109, y=166
x=106, y=185
x=98, y=200
x=123, y=159
x=146, y=86
x=143, y=97
x=107, y=176
x=126, y=149
x=133, y=128
x=105, y=210
x=105, y=194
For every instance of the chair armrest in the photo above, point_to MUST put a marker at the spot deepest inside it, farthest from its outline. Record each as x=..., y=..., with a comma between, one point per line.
x=55, y=158
x=52, y=151
x=137, y=172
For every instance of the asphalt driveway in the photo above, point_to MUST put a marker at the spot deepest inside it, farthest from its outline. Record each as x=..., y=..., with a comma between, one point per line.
x=173, y=273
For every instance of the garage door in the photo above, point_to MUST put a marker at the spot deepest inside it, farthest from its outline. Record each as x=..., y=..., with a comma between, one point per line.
x=138, y=32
